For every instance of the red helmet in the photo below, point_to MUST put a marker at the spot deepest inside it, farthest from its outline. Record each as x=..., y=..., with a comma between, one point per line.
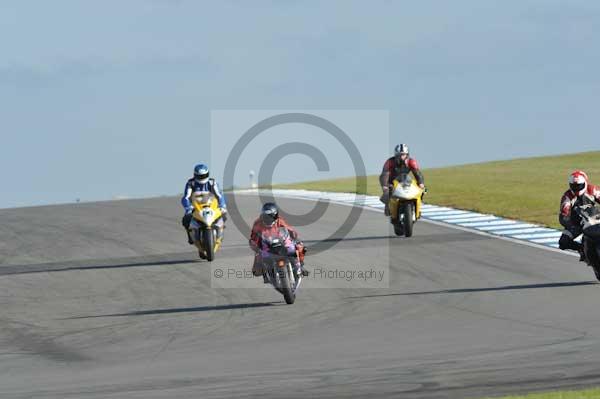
x=578, y=182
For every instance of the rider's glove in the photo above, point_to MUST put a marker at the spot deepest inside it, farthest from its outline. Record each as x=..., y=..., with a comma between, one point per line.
x=189, y=210
x=224, y=213
x=301, y=244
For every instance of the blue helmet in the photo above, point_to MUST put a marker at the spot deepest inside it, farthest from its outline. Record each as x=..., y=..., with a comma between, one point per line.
x=201, y=173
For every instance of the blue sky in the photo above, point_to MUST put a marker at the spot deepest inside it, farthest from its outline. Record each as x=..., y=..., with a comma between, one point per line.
x=113, y=98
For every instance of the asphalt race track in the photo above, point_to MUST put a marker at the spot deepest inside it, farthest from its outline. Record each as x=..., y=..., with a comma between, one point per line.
x=107, y=300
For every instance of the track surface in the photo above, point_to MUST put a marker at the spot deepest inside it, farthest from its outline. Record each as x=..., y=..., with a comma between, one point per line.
x=106, y=300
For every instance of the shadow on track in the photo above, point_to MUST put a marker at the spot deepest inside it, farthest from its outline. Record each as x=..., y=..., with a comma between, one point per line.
x=340, y=239
x=146, y=261
x=469, y=290
x=338, y=243
x=182, y=310
x=125, y=265
x=423, y=239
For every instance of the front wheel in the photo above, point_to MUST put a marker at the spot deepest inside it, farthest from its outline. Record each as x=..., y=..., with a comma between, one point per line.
x=408, y=219
x=398, y=229
x=591, y=250
x=286, y=288
x=208, y=243
x=596, y=262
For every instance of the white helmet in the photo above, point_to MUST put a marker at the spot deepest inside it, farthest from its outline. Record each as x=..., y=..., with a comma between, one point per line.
x=401, y=149
x=578, y=182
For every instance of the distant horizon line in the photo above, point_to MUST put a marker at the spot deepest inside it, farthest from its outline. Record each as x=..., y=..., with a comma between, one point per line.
x=123, y=197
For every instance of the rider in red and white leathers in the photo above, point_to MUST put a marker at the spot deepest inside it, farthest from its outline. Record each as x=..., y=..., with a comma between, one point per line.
x=579, y=190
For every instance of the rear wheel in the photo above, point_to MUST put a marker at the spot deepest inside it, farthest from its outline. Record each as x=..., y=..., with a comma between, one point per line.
x=408, y=219
x=208, y=243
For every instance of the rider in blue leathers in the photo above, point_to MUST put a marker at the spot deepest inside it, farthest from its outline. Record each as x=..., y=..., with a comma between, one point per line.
x=200, y=182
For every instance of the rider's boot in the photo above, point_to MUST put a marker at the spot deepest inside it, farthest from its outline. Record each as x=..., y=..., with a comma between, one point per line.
x=385, y=198
x=256, y=272
x=566, y=242
x=257, y=269
x=185, y=222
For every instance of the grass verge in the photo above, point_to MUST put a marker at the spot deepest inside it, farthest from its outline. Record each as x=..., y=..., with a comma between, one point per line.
x=526, y=189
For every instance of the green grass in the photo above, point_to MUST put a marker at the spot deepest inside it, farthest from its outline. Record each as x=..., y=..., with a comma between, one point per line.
x=587, y=394
x=525, y=189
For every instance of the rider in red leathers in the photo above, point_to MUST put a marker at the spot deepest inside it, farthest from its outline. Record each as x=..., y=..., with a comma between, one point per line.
x=400, y=164
x=269, y=223
x=579, y=190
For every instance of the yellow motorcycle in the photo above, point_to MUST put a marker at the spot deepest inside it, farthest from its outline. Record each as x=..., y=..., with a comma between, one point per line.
x=405, y=205
x=207, y=225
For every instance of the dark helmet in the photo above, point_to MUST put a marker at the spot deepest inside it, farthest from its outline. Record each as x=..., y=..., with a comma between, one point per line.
x=201, y=173
x=269, y=213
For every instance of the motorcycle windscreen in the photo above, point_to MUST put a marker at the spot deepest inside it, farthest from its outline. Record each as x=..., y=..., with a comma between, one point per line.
x=406, y=190
x=202, y=198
